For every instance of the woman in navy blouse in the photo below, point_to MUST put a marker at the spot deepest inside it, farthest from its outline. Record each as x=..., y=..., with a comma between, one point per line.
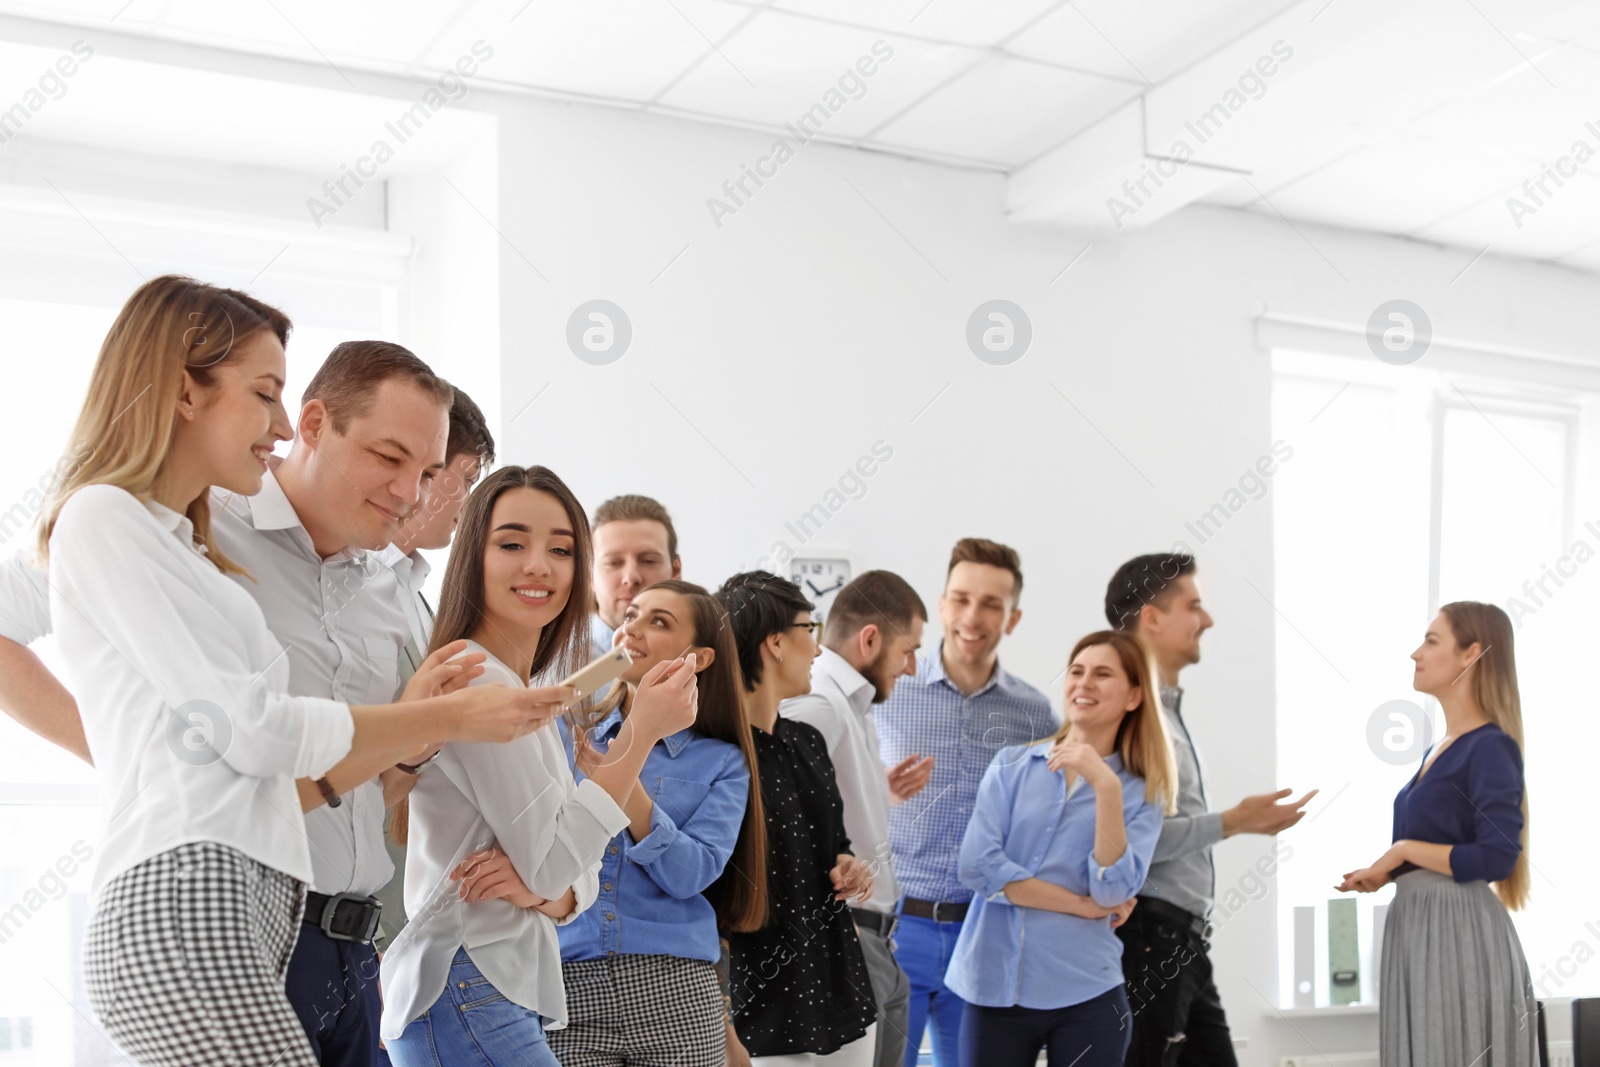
x=1060, y=841
x=1455, y=986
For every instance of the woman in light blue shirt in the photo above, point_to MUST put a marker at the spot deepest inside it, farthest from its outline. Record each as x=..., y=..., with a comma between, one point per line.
x=1060, y=841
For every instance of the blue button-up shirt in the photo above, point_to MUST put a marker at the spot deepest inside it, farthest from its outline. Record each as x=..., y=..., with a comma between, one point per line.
x=1026, y=826
x=928, y=716
x=650, y=900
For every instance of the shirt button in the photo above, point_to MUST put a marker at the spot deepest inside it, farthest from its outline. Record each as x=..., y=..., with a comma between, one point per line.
x=612, y=850
x=610, y=918
x=608, y=887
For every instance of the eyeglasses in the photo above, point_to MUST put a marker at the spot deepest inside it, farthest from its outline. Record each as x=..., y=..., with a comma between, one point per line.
x=815, y=626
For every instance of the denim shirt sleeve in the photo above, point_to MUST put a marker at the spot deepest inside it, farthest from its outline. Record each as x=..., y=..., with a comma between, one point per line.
x=684, y=858
x=1113, y=884
x=984, y=866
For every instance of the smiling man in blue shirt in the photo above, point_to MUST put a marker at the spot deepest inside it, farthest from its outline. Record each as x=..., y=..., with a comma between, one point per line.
x=960, y=709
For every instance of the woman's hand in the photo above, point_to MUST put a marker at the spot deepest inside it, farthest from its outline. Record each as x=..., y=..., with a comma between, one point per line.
x=489, y=875
x=560, y=907
x=1373, y=878
x=504, y=713
x=1081, y=759
x=444, y=671
x=852, y=879
x=584, y=754
x=666, y=700
x=737, y=1054
x=1120, y=913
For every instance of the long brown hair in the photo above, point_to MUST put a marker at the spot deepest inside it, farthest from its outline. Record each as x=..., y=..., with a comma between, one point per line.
x=1142, y=739
x=170, y=326
x=739, y=894
x=564, y=644
x=1493, y=678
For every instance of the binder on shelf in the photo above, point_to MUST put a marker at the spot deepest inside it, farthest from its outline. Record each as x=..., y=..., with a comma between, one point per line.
x=1344, y=953
x=1305, y=957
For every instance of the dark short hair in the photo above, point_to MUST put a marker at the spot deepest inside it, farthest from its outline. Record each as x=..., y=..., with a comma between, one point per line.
x=993, y=553
x=469, y=431
x=1143, y=580
x=759, y=604
x=873, y=598
x=633, y=507
x=349, y=378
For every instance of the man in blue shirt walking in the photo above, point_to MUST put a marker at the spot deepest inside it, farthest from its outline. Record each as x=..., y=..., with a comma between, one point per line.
x=960, y=709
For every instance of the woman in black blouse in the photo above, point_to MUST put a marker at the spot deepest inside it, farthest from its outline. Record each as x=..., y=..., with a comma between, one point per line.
x=800, y=991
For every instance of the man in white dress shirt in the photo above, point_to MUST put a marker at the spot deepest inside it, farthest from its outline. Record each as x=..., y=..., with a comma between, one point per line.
x=369, y=441
x=635, y=545
x=870, y=639
x=469, y=452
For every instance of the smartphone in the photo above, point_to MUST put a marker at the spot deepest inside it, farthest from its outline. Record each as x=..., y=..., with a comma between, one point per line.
x=598, y=672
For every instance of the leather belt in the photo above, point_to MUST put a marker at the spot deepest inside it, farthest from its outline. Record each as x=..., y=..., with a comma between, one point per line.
x=344, y=916
x=1160, y=910
x=881, y=922
x=940, y=911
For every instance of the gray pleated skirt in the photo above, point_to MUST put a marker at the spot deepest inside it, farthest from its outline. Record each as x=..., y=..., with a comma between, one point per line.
x=1455, y=989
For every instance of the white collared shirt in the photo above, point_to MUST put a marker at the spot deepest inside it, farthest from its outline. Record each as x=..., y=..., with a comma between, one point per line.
x=411, y=572
x=24, y=598
x=840, y=707
x=520, y=795
x=181, y=687
x=341, y=623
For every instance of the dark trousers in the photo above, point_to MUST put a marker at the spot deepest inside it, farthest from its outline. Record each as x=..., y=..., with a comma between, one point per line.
x=333, y=986
x=1177, y=1015
x=1091, y=1034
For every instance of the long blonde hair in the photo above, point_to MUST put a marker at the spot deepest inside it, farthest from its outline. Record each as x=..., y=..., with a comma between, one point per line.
x=1494, y=688
x=169, y=326
x=1142, y=739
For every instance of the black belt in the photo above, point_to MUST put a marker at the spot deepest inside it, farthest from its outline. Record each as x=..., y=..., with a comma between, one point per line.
x=344, y=916
x=940, y=911
x=880, y=922
x=1160, y=910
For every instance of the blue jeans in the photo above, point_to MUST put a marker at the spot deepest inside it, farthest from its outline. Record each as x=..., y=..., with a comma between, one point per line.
x=473, y=1024
x=923, y=948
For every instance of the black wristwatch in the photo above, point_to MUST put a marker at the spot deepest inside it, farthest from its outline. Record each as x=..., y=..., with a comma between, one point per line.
x=416, y=769
x=328, y=792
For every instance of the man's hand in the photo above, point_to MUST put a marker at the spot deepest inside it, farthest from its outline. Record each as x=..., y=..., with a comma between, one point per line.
x=737, y=1054
x=1264, y=814
x=852, y=879
x=908, y=777
x=397, y=785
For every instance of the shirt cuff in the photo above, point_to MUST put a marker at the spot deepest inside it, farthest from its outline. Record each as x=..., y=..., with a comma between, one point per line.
x=1209, y=824
x=652, y=846
x=586, y=890
x=1115, y=877
x=329, y=731
x=598, y=803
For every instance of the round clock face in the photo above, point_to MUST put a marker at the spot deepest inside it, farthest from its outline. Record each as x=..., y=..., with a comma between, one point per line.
x=819, y=580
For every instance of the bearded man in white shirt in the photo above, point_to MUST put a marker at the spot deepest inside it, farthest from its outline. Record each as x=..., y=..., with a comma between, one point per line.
x=869, y=640
x=370, y=441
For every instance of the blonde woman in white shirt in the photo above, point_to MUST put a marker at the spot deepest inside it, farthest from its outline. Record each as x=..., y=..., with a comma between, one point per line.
x=476, y=984
x=203, y=860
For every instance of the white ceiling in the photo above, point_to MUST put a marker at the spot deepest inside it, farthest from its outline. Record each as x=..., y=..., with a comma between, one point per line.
x=1417, y=119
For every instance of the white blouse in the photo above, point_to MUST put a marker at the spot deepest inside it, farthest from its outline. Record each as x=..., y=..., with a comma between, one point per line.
x=181, y=689
x=521, y=796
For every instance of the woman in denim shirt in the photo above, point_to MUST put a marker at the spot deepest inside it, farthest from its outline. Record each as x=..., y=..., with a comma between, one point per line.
x=1060, y=841
x=640, y=963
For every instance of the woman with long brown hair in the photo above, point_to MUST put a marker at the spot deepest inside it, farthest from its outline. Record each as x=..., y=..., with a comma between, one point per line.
x=691, y=860
x=476, y=983
x=1060, y=841
x=204, y=861
x=1456, y=986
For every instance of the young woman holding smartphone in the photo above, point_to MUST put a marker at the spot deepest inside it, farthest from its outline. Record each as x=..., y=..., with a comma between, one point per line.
x=476, y=983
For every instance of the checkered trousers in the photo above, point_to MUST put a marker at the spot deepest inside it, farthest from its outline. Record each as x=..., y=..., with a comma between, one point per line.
x=641, y=1011
x=186, y=956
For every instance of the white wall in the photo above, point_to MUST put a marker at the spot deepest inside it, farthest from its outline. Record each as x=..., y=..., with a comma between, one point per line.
x=806, y=328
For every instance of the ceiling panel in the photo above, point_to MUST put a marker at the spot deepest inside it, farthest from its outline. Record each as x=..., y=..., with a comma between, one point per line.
x=1563, y=224
x=1049, y=105
x=961, y=21
x=626, y=50
x=1140, y=40
x=780, y=66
